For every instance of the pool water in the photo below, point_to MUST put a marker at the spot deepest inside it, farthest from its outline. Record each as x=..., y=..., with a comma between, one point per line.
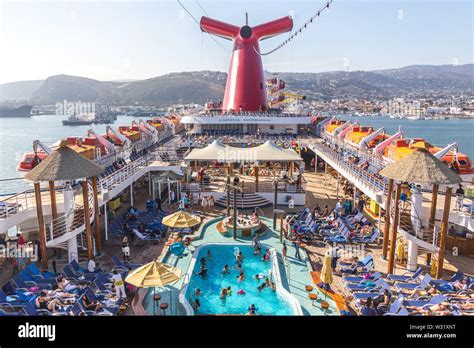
x=266, y=301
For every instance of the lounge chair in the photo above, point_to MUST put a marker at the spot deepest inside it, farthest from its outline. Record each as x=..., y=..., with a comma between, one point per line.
x=367, y=240
x=357, y=279
x=366, y=286
x=395, y=306
x=80, y=277
x=456, y=276
x=415, y=286
x=366, y=260
x=20, y=283
x=106, y=305
x=142, y=236
x=27, y=276
x=413, y=277
x=36, y=273
x=420, y=303
x=124, y=265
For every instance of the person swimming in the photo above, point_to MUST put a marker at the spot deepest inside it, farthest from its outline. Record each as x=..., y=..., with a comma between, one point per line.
x=241, y=277
x=225, y=270
x=202, y=272
x=259, y=276
x=252, y=310
x=197, y=292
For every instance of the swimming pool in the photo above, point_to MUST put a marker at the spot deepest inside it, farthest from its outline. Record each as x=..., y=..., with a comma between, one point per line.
x=267, y=302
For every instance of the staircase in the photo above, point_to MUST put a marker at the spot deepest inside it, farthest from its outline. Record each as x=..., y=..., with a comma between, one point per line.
x=248, y=201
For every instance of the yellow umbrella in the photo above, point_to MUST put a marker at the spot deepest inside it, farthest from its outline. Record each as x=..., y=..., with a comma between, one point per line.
x=181, y=219
x=153, y=274
x=326, y=272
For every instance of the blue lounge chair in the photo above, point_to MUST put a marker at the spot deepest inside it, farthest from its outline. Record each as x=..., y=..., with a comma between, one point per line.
x=27, y=276
x=356, y=279
x=361, y=263
x=456, y=276
x=36, y=273
x=395, y=306
x=415, y=286
x=406, y=277
x=20, y=283
x=367, y=240
x=437, y=299
x=366, y=286
x=113, y=309
x=30, y=309
x=79, y=277
x=125, y=264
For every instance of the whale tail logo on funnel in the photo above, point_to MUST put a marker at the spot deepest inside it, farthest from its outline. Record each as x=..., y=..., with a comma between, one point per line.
x=245, y=87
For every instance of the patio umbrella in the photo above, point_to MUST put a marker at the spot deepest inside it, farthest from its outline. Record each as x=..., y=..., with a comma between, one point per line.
x=181, y=219
x=154, y=274
x=326, y=272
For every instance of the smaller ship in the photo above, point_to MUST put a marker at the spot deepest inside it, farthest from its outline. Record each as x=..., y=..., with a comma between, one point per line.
x=18, y=111
x=78, y=120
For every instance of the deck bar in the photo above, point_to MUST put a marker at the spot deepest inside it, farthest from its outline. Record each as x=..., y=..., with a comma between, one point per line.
x=444, y=231
x=393, y=239
x=387, y=219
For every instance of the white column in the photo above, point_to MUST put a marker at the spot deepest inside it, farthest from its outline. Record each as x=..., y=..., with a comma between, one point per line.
x=416, y=201
x=149, y=184
x=68, y=195
x=315, y=163
x=169, y=192
x=72, y=249
x=131, y=194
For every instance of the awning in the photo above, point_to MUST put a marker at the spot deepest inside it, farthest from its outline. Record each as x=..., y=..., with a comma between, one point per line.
x=268, y=151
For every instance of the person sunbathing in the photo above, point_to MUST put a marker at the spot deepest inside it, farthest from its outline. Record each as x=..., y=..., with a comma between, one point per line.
x=461, y=297
x=431, y=290
x=48, y=303
x=90, y=305
x=440, y=309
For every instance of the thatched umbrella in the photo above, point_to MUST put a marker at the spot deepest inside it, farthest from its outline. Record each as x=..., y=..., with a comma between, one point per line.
x=421, y=167
x=64, y=164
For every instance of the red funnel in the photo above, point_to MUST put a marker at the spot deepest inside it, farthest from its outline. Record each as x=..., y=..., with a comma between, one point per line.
x=245, y=87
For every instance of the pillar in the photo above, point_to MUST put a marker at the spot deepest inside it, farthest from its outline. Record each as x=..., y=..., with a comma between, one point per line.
x=72, y=249
x=432, y=218
x=149, y=184
x=256, y=178
x=315, y=163
x=231, y=168
x=54, y=211
x=41, y=229
x=106, y=222
x=292, y=168
x=416, y=206
x=394, y=230
x=98, y=237
x=131, y=194
x=68, y=197
x=444, y=232
x=387, y=219
x=87, y=221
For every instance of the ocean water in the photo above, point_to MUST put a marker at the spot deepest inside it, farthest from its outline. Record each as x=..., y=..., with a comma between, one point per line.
x=266, y=301
x=436, y=132
x=18, y=134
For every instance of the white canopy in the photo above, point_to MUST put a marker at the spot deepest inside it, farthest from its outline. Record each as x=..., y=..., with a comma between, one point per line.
x=268, y=151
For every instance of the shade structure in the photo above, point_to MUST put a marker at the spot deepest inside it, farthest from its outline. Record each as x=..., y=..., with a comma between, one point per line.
x=268, y=151
x=421, y=167
x=64, y=164
x=153, y=274
x=181, y=219
x=326, y=272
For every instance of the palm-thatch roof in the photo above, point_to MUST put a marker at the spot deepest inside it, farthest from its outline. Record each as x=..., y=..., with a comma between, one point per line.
x=421, y=167
x=64, y=164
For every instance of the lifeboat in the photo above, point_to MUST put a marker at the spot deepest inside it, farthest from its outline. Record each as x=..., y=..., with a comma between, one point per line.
x=459, y=162
x=332, y=126
x=31, y=159
x=365, y=138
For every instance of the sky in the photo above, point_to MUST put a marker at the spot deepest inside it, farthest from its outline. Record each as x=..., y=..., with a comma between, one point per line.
x=124, y=39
